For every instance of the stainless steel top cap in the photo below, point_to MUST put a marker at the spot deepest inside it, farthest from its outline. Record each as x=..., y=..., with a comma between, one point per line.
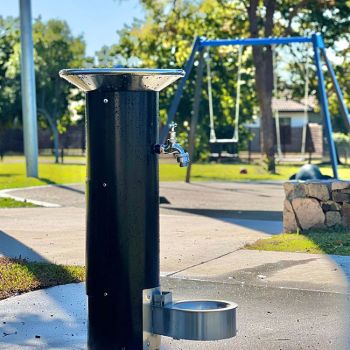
x=121, y=79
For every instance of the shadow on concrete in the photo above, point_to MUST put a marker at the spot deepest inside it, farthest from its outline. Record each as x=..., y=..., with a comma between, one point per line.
x=53, y=319
x=47, y=181
x=237, y=190
x=265, y=221
x=249, y=274
x=69, y=188
x=233, y=214
x=12, y=248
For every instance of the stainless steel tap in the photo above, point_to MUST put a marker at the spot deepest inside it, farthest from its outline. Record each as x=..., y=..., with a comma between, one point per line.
x=172, y=147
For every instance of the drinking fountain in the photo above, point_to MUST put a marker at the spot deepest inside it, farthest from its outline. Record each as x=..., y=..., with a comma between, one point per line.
x=127, y=310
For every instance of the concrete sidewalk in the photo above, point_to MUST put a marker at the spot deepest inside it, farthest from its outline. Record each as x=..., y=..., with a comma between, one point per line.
x=200, y=238
x=286, y=300
x=267, y=318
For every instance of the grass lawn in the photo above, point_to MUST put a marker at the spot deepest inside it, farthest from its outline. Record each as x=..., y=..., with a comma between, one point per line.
x=11, y=203
x=315, y=242
x=20, y=276
x=12, y=172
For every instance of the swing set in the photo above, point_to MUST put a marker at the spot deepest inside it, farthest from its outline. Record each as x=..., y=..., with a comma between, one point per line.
x=201, y=44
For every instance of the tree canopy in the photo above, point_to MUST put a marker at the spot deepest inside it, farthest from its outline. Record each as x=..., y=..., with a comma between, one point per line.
x=54, y=48
x=164, y=40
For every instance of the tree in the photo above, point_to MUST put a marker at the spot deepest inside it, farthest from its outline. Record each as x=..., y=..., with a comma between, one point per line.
x=10, y=104
x=54, y=48
x=262, y=58
x=331, y=18
x=164, y=40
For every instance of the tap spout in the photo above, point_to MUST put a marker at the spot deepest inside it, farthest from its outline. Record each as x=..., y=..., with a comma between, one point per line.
x=172, y=147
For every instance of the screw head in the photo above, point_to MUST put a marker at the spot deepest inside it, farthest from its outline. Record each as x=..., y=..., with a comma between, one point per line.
x=105, y=100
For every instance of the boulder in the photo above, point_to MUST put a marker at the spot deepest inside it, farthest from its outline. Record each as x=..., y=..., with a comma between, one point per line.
x=289, y=223
x=340, y=185
x=345, y=211
x=339, y=197
x=331, y=206
x=294, y=189
x=319, y=190
x=333, y=218
x=309, y=213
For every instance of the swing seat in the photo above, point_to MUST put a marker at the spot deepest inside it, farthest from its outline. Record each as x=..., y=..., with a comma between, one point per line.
x=224, y=141
x=223, y=151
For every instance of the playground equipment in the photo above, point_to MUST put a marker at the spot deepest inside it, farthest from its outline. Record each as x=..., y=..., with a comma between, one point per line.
x=319, y=50
x=235, y=136
x=126, y=307
x=217, y=145
x=306, y=107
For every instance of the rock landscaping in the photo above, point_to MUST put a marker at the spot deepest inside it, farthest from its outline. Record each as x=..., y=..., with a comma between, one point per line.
x=316, y=204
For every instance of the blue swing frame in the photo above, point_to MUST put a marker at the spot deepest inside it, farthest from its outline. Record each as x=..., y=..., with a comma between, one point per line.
x=319, y=49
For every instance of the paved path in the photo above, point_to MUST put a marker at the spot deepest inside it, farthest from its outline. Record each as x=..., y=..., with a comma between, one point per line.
x=203, y=228
x=286, y=300
x=267, y=318
x=221, y=199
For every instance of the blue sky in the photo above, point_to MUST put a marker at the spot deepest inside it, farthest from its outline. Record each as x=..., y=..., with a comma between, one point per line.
x=97, y=20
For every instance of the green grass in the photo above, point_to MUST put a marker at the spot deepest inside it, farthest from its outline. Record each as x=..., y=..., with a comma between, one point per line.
x=12, y=172
x=231, y=172
x=11, y=203
x=12, y=175
x=314, y=242
x=20, y=276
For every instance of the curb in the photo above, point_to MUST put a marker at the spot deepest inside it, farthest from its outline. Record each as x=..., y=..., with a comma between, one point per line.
x=6, y=194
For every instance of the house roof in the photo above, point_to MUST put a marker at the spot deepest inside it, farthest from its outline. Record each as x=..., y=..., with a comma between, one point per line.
x=286, y=105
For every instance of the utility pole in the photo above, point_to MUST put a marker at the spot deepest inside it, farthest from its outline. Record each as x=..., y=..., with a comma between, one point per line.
x=30, y=129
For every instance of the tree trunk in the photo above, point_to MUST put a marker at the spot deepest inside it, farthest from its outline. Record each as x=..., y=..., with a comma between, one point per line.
x=264, y=92
x=262, y=58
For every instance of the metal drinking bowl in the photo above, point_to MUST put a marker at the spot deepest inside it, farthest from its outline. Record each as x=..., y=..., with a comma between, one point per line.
x=196, y=319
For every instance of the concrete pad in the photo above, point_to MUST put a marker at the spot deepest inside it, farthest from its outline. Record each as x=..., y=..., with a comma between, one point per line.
x=244, y=196
x=268, y=318
x=54, y=318
x=58, y=235
x=72, y=195
x=43, y=234
x=188, y=241
x=225, y=196
x=277, y=269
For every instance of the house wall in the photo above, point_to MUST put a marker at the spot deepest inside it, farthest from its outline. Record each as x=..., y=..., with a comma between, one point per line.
x=291, y=135
x=314, y=139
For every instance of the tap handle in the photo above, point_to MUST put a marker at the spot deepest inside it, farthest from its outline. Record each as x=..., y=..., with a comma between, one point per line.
x=172, y=133
x=172, y=126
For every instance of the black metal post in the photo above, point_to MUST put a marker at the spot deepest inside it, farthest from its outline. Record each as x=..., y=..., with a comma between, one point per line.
x=122, y=214
x=122, y=202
